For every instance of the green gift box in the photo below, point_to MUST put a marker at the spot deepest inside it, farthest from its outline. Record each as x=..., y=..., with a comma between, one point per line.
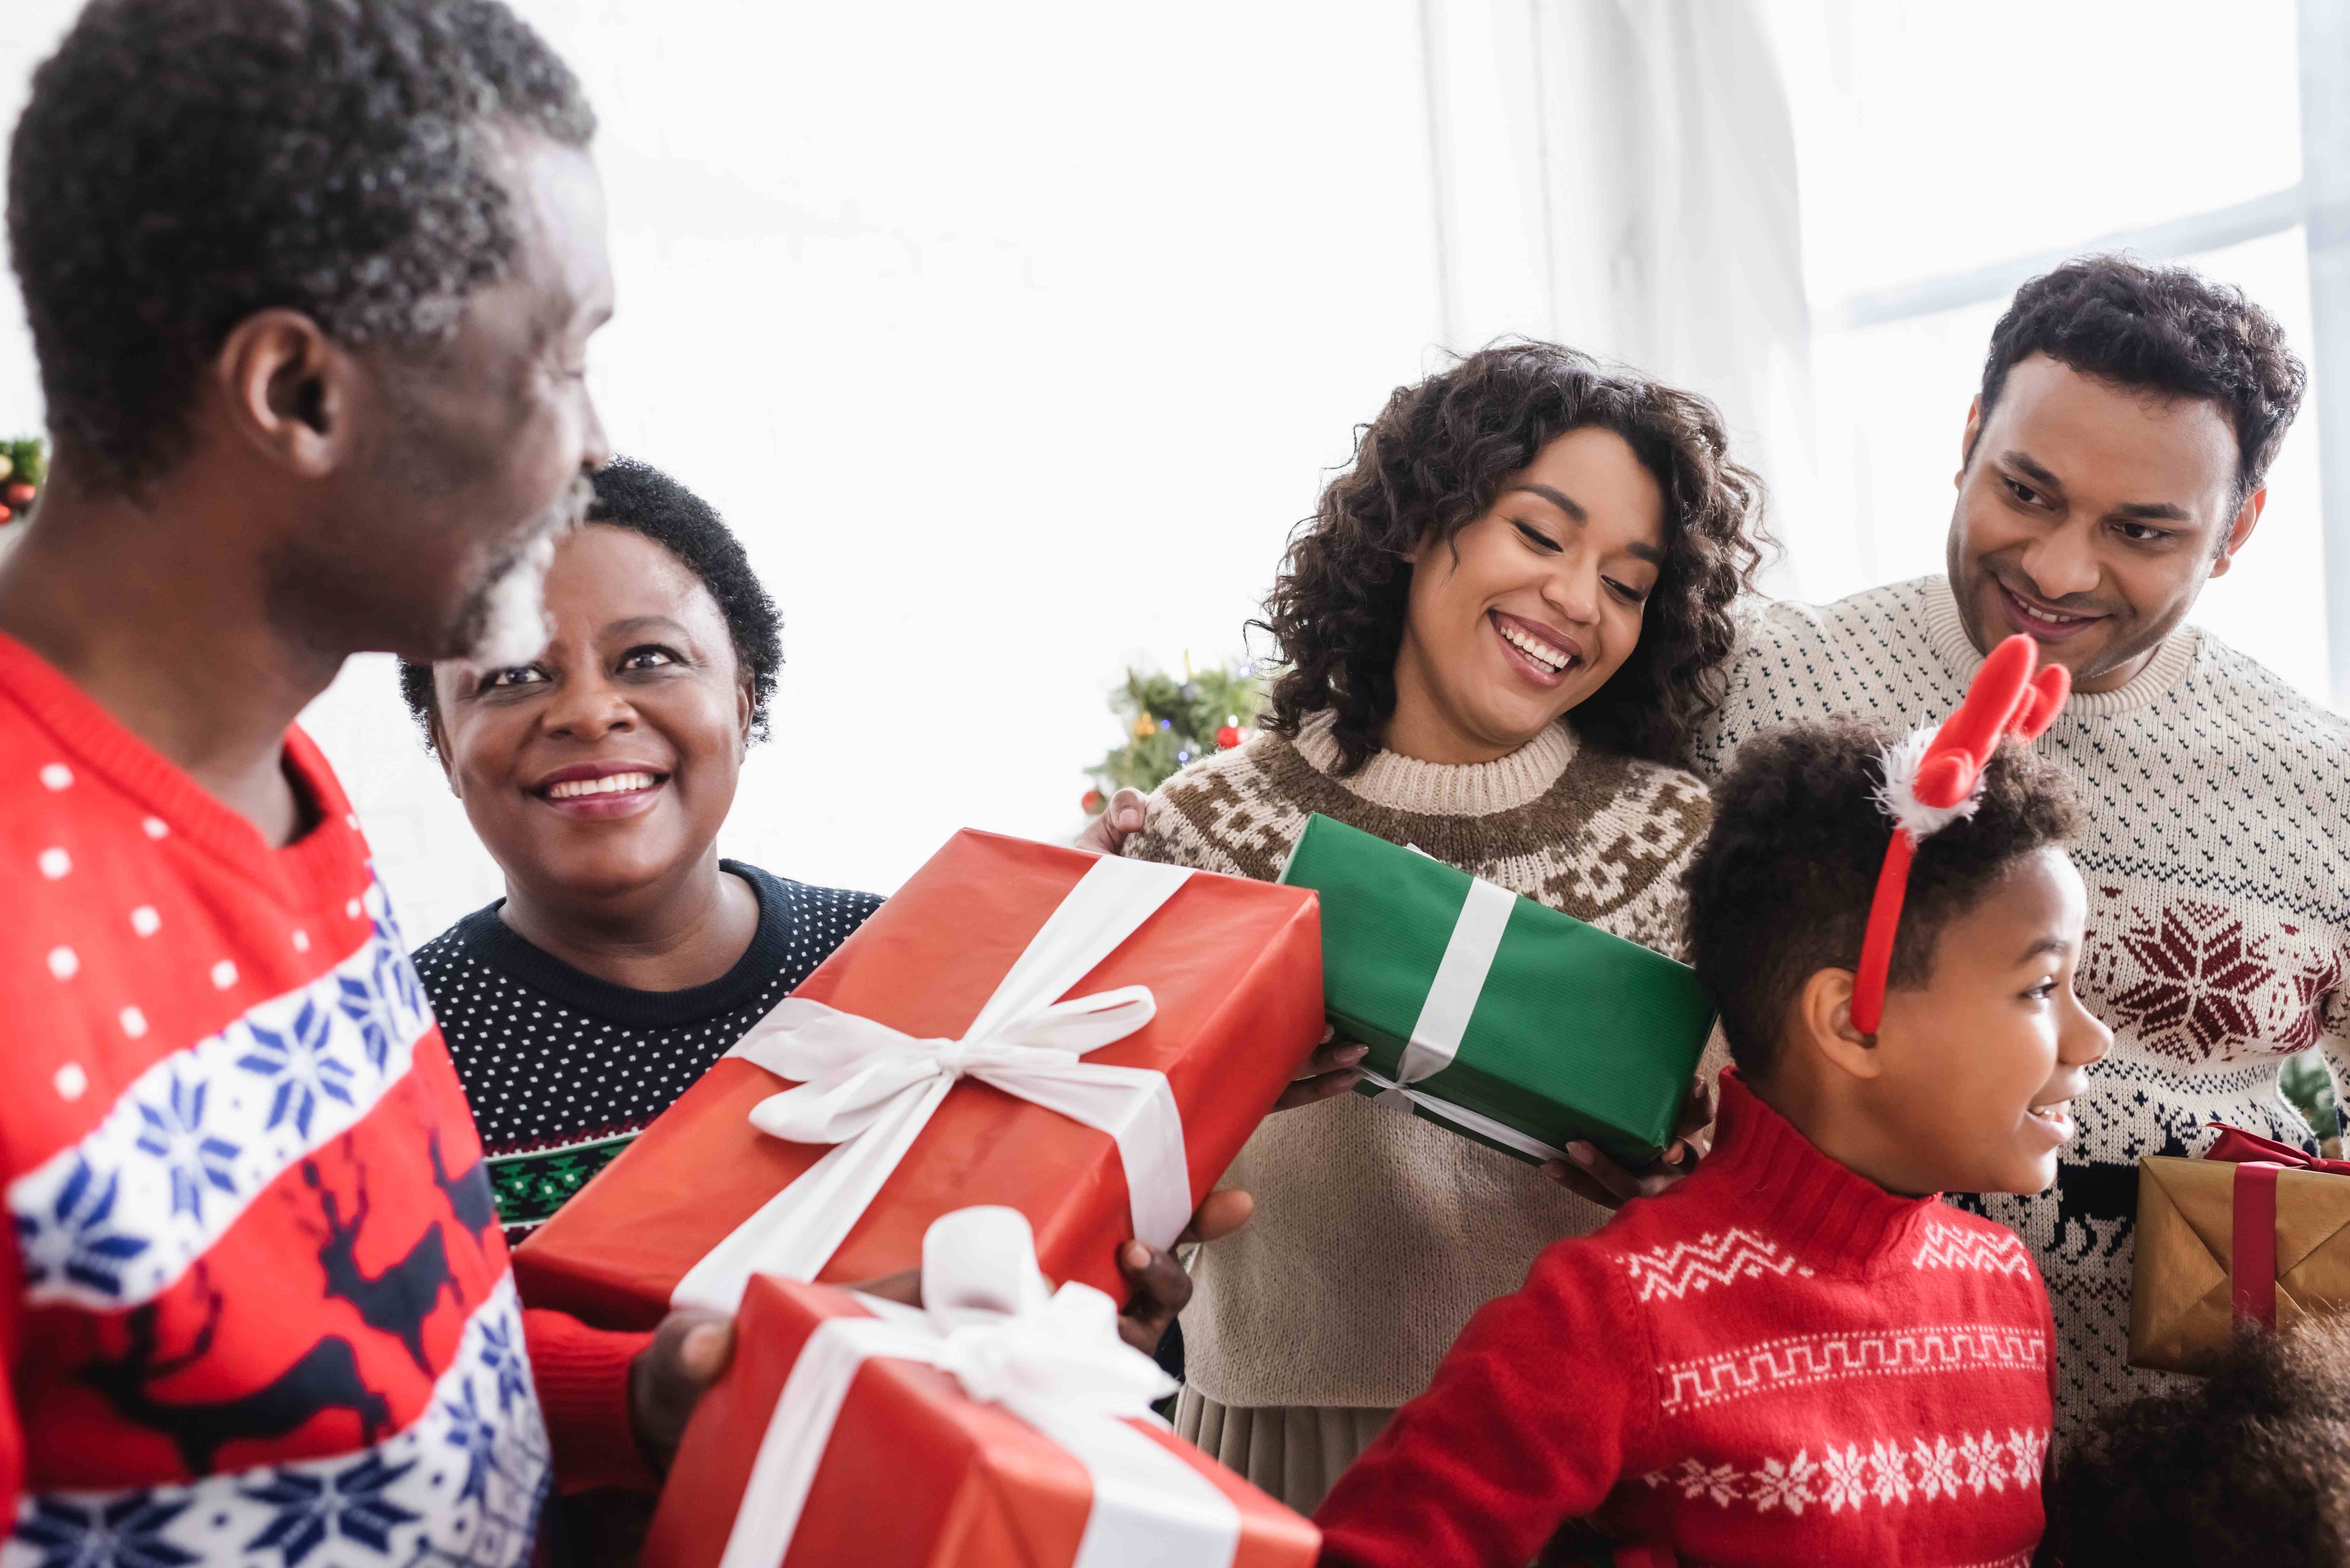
x=1498, y=1018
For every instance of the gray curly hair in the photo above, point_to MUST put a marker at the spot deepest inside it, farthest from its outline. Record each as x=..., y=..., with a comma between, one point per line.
x=184, y=164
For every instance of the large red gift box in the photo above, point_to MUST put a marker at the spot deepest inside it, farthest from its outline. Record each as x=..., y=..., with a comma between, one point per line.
x=915, y=1473
x=1233, y=966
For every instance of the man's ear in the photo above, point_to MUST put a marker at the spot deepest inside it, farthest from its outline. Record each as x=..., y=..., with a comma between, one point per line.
x=2247, y=517
x=1823, y=1020
x=744, y=707
x=1967, y=440
x=290, y=391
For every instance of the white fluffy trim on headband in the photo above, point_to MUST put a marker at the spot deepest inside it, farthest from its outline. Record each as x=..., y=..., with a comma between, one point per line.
x=1897, y=796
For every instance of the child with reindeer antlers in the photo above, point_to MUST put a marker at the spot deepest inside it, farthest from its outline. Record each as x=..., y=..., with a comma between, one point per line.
x=1800, y=1354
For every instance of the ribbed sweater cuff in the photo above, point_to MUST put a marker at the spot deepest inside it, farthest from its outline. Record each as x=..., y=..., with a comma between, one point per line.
x=582, y=1374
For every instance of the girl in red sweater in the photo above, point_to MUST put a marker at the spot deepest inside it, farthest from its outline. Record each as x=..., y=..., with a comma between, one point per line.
x=1799, y=1353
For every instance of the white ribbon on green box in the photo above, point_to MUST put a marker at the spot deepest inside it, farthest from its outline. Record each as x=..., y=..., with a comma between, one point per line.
x=1444, y=1019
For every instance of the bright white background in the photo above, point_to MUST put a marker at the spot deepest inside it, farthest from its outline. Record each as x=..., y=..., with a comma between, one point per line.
x=1014, y=338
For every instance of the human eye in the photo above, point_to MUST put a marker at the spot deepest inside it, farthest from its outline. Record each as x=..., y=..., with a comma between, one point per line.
x=2021, y=494
x=650, y=656
x=1535, y=537
x=511, y=676
x=1626, y=592
x=2043, y=991
x=2142, y=533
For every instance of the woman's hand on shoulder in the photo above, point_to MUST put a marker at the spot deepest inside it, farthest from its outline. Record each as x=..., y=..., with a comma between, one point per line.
x=1120, y=820
x=1595, y=1176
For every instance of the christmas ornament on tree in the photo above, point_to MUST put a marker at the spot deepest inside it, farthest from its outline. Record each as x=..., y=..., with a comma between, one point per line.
x=1173, y=723
x=21, y=472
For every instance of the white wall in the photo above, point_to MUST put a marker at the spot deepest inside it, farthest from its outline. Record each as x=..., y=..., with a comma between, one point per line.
x=1013, y=339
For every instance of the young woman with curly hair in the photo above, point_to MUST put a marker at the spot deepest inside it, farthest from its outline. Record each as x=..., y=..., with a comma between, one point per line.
x=1496, y=634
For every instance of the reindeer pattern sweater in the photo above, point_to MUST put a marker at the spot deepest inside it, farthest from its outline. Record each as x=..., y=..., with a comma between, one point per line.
x=1776, y=1361
x=255, y=1301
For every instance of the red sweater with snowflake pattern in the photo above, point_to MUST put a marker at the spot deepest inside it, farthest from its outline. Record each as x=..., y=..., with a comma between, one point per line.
x=1776, y=1361
x=254, y=1299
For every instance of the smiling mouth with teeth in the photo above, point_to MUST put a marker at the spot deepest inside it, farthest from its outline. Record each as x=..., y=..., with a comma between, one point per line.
x=1541, y=652
x=610, y=783
x=2041, y=615
x=2057, y=1114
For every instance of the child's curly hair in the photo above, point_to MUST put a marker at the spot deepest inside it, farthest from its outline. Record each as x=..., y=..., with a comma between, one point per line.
x=1433, y=462
x=1781, y=888
x=2249, y=1469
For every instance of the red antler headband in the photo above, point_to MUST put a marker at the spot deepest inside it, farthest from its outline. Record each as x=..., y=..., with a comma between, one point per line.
x=1934, y=778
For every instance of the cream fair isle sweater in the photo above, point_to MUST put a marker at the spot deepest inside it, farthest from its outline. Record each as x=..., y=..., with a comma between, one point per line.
x=1376, y=1235
x=2217, y=855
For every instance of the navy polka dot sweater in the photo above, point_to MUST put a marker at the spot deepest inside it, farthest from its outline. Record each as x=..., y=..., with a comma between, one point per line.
x=563, y=1069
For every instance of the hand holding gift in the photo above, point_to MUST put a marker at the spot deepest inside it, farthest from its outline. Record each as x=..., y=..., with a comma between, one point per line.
x=1507, y=1022
x=1086, y=1040
x=1004, y=1423
x=693, y=1344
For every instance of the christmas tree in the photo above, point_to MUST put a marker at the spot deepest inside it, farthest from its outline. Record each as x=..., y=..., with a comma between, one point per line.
x=1171, y=723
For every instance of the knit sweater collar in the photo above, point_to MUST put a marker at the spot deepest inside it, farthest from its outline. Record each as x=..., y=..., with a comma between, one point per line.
x=1827, y=1215
x=1442, y=789
x=2169, y=666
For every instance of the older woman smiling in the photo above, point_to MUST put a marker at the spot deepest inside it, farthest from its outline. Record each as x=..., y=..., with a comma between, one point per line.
x=627, y=957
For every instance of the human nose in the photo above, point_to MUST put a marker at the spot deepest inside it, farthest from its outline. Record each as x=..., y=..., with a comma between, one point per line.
x=1572, y=589
x=2086, y=1039
x=2060, y=563
x=595, y=446
x=589, y=709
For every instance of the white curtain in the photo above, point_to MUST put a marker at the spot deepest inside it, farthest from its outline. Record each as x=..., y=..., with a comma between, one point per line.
x=1620, y=176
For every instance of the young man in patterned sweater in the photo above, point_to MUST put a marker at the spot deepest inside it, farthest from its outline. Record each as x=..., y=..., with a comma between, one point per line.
x=2112, y=463
x=1798, y=1354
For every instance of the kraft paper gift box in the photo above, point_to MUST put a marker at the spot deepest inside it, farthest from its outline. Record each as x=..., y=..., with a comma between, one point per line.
x=1492, y=1015
x=2255, y=1234
x=950, y=1054
x=1003, y=1426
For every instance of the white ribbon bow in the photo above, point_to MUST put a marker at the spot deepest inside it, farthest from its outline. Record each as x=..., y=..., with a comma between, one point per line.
x=1054, y=1358
x=869, y=1090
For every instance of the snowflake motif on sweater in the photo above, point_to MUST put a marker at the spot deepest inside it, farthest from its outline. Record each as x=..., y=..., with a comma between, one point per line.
x=260, y=1312
x=1834, y=1374
x=2217, y=856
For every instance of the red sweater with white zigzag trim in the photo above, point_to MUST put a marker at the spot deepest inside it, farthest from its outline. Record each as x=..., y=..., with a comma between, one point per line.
x=1777, y=1361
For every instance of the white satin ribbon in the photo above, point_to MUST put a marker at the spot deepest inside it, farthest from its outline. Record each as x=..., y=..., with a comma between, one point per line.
x=1444, y=1016
x=869, y=1090
x=1460, y=979
x=1053, y=1358
x=1402, y=1097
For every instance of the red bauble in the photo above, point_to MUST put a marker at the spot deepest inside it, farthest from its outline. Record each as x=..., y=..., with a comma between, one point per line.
x=1093, y=802
x=5, y=515
x=1228, y=737
x=20, y=493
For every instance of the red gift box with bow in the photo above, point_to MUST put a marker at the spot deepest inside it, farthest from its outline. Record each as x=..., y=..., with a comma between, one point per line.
x=1085, y=1039
x=1004, y=1426
x=2255, y=1234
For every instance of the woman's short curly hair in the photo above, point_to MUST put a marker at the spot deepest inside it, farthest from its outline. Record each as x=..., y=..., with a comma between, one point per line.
x=1434, y=461
x=2249, y=1468
x=644, y=500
